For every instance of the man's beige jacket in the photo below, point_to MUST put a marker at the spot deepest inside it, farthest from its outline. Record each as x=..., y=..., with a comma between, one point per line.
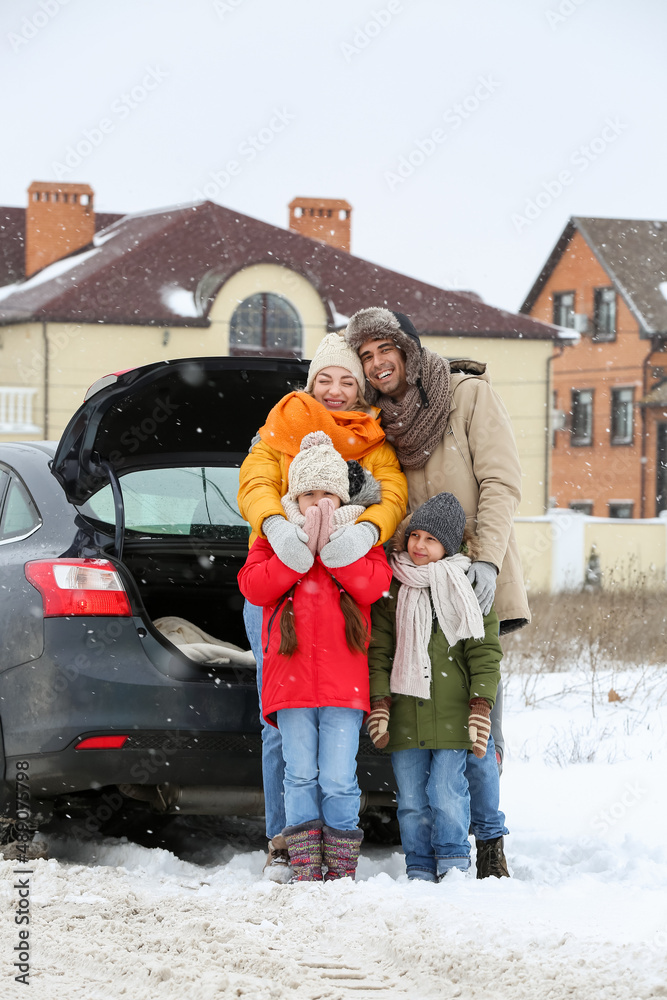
x=477, y=460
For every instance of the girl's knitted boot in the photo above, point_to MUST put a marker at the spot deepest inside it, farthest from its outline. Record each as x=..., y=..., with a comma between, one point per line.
x=341, y=852
x=304, y=845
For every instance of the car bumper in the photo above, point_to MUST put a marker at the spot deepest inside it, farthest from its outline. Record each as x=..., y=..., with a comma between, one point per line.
x=187, y=724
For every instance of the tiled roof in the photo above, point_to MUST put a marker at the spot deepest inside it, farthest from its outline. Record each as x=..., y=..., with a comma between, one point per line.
x=165, y=268
x=12, y=241
x=633, y=252
x=12, y=245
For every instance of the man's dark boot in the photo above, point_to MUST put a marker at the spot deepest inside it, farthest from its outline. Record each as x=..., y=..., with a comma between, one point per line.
x=491, y=859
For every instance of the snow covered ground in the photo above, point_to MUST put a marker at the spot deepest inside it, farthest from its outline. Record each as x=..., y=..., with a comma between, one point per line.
x=584, y=916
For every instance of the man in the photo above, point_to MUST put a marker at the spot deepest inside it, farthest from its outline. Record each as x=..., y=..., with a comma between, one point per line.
x=453, y=434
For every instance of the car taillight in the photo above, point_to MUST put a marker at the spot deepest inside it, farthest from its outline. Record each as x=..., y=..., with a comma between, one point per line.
x=78, y=587
x=102, y=743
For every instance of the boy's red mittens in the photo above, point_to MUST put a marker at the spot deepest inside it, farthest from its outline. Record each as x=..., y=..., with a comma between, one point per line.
x=378, y=721
x=479, y=725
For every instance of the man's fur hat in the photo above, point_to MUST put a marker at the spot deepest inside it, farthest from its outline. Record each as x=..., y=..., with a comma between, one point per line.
x=377, y=323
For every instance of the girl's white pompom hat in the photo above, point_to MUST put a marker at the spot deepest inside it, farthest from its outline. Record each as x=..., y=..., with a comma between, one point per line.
x=318, y=466
x=334, y=351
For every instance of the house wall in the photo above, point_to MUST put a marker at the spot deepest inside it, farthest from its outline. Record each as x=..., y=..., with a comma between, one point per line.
x=556, y=550
x=80, y=354
x=22, y=366
x=602, y=472
x=518, y=373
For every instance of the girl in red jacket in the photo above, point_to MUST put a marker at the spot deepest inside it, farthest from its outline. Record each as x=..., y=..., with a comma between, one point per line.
x=315, y=635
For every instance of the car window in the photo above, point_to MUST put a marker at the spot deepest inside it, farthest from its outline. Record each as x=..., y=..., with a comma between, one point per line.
x=4, y=481
x=186, y=501
x=19, y=514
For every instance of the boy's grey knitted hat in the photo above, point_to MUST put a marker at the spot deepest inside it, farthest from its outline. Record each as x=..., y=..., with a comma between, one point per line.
x=318, y=466
x=443, y=517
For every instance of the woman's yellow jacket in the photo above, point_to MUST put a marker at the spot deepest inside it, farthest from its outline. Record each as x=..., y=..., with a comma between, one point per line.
x=356, y=435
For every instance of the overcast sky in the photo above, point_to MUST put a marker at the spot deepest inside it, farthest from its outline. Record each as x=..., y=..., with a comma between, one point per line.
x=463, y=132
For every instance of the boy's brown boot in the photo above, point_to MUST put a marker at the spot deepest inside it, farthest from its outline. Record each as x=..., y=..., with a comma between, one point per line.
x=341, y=852
x=491, y=859
x=304, y=844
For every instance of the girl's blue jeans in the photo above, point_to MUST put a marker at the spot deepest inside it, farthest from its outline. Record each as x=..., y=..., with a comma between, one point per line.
x=320, y=748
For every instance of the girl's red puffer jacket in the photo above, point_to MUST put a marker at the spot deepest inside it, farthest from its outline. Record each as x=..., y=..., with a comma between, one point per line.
x=323, y=671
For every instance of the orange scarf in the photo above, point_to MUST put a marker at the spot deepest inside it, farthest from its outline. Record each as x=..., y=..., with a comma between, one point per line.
x=354, y=433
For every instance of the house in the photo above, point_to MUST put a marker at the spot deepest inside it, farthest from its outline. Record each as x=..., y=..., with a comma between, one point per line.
x=202, y=280
x=607, y=279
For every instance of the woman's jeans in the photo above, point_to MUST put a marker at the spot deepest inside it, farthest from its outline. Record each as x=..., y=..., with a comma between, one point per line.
x=439, y=793
x=320, y=747
x=273, y=765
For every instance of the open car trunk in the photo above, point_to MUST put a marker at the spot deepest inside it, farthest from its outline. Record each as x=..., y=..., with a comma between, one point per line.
x=151, y=459
x=194, y=582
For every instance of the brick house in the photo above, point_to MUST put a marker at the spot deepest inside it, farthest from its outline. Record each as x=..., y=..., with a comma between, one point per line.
x=607, y=279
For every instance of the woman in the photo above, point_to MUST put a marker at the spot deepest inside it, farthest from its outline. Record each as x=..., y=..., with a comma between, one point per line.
x=333, y=402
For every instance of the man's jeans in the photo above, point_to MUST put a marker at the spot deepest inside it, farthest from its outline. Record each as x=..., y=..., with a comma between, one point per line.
x=320, y=748
x=273, y=765
x=433, y=810
x=486, y=819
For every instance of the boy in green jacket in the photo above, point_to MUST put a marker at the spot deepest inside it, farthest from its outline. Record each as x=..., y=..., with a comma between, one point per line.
x=434, y=671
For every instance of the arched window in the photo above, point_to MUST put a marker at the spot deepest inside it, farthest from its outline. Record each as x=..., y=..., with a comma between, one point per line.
x=268, y=325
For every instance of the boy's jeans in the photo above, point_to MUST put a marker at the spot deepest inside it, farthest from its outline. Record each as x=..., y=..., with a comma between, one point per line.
x=273, y=765
x=320, y=747
x=433, y=810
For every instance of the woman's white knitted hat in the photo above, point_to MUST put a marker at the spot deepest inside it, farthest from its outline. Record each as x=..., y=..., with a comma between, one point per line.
x=318, y=466
x=333, y=350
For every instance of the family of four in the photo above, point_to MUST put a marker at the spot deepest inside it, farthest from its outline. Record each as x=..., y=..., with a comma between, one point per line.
x=407, y=642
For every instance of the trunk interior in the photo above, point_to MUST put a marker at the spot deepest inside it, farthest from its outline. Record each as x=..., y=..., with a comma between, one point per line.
x=192, y=579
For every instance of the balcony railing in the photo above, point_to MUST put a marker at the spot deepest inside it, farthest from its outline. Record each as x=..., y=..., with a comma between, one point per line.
x=16, y=410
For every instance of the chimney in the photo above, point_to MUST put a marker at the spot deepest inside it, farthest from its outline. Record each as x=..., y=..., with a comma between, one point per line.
x=59, y=219
x=325, y=219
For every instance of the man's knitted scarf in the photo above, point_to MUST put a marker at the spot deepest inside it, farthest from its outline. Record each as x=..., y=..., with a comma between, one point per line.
x=413, y=428
x=456, y=608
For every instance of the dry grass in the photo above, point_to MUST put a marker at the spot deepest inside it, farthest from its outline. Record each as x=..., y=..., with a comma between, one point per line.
x=591, y=629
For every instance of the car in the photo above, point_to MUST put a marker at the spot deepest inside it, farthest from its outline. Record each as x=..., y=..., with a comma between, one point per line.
x=129, y=519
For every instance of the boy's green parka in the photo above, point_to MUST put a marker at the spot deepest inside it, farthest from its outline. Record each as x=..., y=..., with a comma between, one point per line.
x=469, y=669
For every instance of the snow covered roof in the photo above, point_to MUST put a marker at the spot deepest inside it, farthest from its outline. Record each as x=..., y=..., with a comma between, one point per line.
x=633, y=252
x=164, y=267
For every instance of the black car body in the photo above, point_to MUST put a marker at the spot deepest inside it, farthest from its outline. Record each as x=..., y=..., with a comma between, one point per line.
x=131, y=517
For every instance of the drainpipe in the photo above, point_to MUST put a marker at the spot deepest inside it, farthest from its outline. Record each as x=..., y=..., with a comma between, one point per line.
x=547, y=451
x=643, y=460
x=46, y=381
